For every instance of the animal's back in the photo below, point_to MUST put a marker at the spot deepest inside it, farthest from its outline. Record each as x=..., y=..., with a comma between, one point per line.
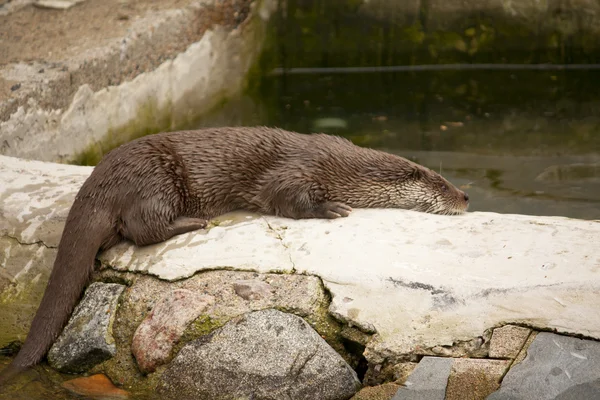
x=226, y=168
x=219, y=167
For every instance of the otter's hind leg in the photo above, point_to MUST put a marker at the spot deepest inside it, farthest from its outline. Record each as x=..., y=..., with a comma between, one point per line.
x=186, y=224
x=148, y=222
x=144, y=234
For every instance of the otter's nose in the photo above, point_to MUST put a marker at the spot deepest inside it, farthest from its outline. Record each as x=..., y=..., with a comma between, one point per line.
x=466, y=197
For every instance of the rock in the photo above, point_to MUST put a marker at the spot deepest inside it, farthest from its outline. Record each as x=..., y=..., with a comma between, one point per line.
x=453, y=379
x=355, y=336
x=556, y=367
x=252, y=289
x=256, y=247
x=378, y=374
x=263, y=355
x=474, y=379
x=57, y=4
x=97, y=386
x=477, y=347
x=402, y=371
x=507, y=341
x=154, y=59
x=523, y=353
x=162, y=328
x=298, y=294
x=36, y=198
x=585, y=391
x=452, y=269
x=87, y=339
x=379, y=392
x=428, y=381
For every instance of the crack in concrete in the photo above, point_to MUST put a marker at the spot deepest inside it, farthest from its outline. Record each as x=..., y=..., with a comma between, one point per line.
x=38, y=242
x=280, y=238
x=540, y=328
x=416, y=285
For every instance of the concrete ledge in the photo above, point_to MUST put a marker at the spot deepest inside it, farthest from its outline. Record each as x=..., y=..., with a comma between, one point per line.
x=425, y=284
x=155, y=67
x=35, y=198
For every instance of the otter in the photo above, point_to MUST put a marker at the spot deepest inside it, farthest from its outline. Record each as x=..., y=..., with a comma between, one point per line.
x=158, y=186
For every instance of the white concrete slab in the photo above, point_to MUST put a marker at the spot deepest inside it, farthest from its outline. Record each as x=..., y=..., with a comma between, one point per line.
x=35, y=198
x=246, y=245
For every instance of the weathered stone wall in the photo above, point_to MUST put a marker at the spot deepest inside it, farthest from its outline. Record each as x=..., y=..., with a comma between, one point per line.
x=387, y=32
x=164, y=69
x=565, y=16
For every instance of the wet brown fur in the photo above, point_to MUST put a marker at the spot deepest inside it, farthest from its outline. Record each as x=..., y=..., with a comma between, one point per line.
x=158, y=186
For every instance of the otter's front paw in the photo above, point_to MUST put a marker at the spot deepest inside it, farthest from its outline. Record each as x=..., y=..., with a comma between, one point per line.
x=332, y=210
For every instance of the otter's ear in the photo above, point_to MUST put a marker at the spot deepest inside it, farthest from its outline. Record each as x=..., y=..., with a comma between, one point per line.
x=416, y=174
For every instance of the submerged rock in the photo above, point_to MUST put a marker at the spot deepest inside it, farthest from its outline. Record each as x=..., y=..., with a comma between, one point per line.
x=87, y=339
x=265, y=354
x=97, y=386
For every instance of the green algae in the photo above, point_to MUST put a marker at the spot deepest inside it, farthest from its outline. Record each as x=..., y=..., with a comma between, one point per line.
x=201, y=326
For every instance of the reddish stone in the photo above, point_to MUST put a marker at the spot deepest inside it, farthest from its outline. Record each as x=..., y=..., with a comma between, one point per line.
x=155, y=337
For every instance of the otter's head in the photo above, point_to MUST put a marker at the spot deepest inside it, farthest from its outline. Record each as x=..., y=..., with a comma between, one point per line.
x=425, y=190
x=414, y=187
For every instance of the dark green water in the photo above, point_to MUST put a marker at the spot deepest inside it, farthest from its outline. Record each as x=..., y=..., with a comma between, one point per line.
x=518, y=141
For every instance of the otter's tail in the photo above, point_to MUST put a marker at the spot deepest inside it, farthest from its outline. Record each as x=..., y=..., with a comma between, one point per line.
x=85, y=232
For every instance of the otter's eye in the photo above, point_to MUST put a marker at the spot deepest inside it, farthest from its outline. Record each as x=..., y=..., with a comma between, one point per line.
x=444, y=187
